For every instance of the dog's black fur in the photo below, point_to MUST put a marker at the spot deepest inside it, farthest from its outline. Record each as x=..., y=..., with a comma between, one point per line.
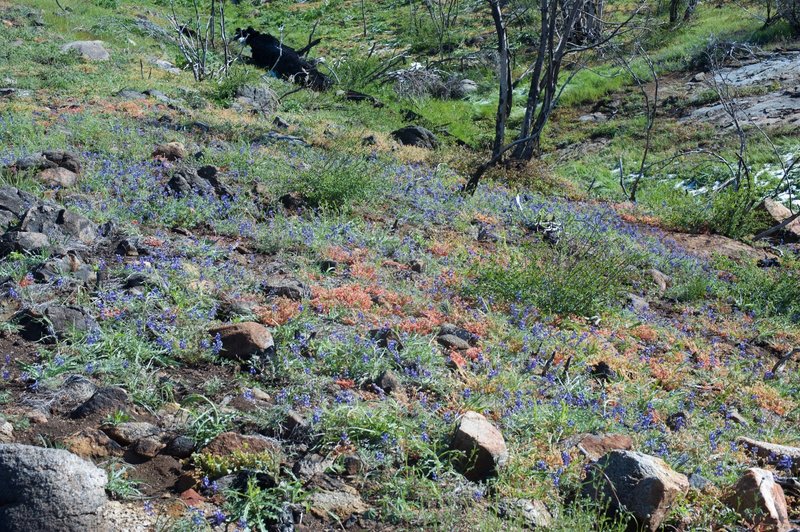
x=268, y=52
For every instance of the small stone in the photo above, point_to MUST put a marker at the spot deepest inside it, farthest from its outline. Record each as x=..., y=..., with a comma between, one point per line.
x=295, y=425
x=385, y=337
x=6, y=431
x=602, y=372
x=243, y=341
x=228, y=442
x=389, y=382
x=482, y=444
x=760, y=500
x=677, y=421
x=310, y=465
x=55, y=322
x=699, y=482
x=451, y=341
x=23, y=242
x=180, y=447
x=662, y=280
x=104, y=401
x=92, y=444
x=58, y=177
x=171, y=151
x=130, y=431
x=533, y=514
x=353, y=465
x=285, y=287
x=772, y=453
x=260, y=395
x=90, y=50
x=638, y=303
x=594, y=446
x=636, y=483
x=148, y=447
x=416, y=136
x=342, y=503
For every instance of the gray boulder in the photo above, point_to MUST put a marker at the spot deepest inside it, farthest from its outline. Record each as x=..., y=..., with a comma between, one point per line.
x=90, y=50
x=49, y=490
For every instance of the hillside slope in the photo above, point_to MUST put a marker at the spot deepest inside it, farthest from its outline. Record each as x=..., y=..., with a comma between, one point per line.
x=252, y=307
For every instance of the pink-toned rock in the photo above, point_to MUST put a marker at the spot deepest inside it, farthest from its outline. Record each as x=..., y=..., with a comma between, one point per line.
x=760, y=500
x=593, y=446
x=642, y=485
x=482, y=444
x=240, y=341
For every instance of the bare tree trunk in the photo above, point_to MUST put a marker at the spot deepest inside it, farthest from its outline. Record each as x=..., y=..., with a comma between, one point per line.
x=505, y=97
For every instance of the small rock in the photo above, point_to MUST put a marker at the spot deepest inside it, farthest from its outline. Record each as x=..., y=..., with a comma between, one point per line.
x=760, y=500
x=228, y=442
x=638, y=303
x=451, y=341
x=677, y=421
x=639, y=484
x=130, y=94
x=6, y=431
x=772, y=453
x=353, y=465
x=49, y=490
x=328, y=266
x=23, y=242
x=389, y=382
x=129, y=432
x=180, y=447
x=58, y=177
x=91, y=50
x=63, y=159
x=148, y=447
x=295, y=425
x=171, y=151
x=294, y=202
x=532, y=514
x=92, y=444
x=699, y=482
x=75, y=391
x=243, y=341
x=285, y=287
x=594, y=446
x=482, y=444
x=310, y=465
x=416, y=136
x=104, y=401
x=662, y=280
x=699, y=77
x=454, y=330
x=386, y=338
x=54, y=322
x=342, y=503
